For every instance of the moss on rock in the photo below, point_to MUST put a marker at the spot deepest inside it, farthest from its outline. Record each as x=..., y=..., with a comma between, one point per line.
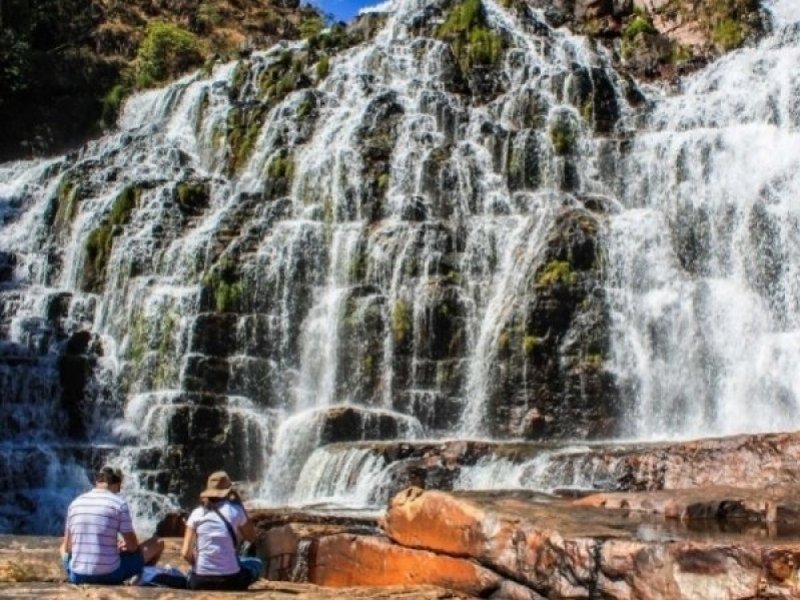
x=100, y=241
x=473, y=43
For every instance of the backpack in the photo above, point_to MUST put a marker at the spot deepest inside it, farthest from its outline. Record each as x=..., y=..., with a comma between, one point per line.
x=169, y=577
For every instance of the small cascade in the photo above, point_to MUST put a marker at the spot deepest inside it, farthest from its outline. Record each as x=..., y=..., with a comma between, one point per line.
x=352, y=479
x=549, y=471
x=298, y=470
x=301, y=562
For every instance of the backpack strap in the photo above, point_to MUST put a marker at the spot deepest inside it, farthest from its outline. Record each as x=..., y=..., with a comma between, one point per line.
x=228, y=526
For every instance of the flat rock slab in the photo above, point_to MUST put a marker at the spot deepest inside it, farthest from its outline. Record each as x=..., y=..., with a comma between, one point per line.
x=265, y=590
x=30, y=568
x=776, y=507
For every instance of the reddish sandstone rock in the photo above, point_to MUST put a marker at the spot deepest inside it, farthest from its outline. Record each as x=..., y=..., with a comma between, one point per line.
x=353, y=560
x=565, y=550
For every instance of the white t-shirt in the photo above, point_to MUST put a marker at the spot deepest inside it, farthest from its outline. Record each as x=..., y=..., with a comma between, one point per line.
x=216, y=553
x=93, y=521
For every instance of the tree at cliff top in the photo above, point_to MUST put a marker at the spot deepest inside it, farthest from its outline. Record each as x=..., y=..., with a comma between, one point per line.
x=66, y=65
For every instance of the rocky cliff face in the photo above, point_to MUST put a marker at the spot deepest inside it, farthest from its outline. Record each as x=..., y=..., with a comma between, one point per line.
x=454, y=228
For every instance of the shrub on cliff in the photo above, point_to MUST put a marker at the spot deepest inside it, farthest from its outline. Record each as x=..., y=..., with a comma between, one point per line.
x=166, y=51
x=473, y=42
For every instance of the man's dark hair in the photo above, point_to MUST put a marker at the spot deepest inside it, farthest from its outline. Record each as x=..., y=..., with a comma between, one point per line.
x=108, y=475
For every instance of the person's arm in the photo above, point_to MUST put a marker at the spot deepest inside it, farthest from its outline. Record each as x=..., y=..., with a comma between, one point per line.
x=187, y=549
x=129, y=543
x=247, y=531
x=66, y=544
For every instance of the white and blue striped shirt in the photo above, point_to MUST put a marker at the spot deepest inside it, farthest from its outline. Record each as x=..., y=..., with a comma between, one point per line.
x=93, y=521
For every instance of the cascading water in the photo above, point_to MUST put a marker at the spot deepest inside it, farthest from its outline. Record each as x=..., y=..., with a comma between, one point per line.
x=704, y=258
x=398, y=249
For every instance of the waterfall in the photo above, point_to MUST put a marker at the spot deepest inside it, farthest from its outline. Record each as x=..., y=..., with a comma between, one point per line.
x=704, y=262
x=273, y=260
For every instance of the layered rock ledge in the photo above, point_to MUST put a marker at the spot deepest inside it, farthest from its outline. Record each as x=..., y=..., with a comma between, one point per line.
x=700, y=544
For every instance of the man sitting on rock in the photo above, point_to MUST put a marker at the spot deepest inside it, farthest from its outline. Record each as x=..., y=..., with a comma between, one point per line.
x=100, y=545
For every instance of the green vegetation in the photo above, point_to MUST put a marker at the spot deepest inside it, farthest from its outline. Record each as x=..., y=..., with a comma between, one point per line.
x=100, y=241
x=67, y=65
x=727, y=23
x=357, y=269
x=593, y=361
x=401, y=321
x=166, y=370
x=67, y=199
x=473, y=43
x=563, y=134
x=530, y=343
x=281, y=167
x=123, y=205
x=243, y=126
x=640, y=24
x=166, y=51
x=305, y=109
x=503, y=341
x=323, y=67
x=225, y=286
x=284, y=76
x=728, y=34
x=680, y=53
x=556, y=272
x=207, y=15
x=279, y=174
x=137, y=339
x=311, y=26
x=192, y=194
x=112, y=102
x=587, y=109
x=239, y=78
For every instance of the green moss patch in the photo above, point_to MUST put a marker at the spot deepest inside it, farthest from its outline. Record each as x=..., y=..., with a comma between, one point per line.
x=225, y=286
x=564, y=134
x=64, y=208
x=243, y=126
x=193, y=197
x=401, y=321
x=556, y=272
x=100, y=241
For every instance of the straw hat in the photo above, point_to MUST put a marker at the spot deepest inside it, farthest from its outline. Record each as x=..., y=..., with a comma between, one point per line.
x=219, y=485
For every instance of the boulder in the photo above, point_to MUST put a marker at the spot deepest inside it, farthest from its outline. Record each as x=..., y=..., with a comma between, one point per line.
x=352, y=560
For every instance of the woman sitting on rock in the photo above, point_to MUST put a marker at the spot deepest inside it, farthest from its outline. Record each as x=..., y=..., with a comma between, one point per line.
x=213, y=532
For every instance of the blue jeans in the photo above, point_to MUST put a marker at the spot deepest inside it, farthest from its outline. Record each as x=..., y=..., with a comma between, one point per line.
x=130, y=564
x=252, y=565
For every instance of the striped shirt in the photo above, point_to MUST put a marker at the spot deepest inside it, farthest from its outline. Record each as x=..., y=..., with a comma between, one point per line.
x=93, y=521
